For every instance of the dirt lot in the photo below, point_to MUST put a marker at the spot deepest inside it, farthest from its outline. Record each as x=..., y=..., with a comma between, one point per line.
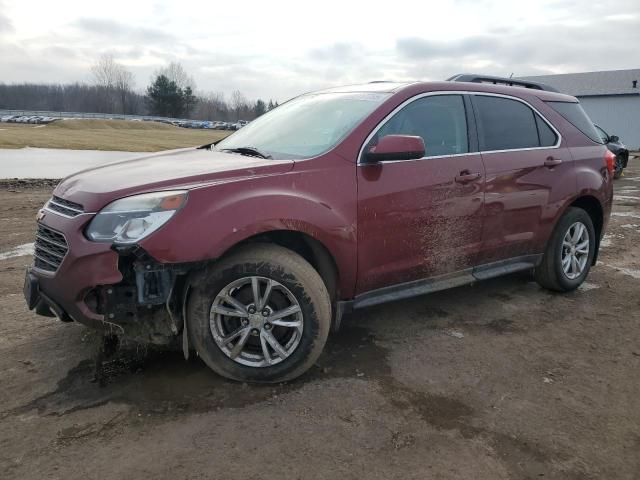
x=500, y=380
x=119, y=135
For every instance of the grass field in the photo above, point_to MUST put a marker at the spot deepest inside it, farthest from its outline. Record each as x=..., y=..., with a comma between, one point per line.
x=105, y=135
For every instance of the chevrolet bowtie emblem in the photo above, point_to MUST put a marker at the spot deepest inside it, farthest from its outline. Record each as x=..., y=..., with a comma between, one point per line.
x=40, y=215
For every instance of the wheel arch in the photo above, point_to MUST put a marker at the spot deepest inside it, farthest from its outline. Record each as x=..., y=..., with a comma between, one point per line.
x=308, y=247
x=593, y=207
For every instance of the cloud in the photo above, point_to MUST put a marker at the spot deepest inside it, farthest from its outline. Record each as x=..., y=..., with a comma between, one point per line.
x=539, y=49
x=6, y=25
x=270, y=53
x=118, y=31
x=338, y=52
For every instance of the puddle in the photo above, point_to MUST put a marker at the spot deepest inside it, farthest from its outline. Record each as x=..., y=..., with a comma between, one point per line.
x=54, y=162
x=19, y=251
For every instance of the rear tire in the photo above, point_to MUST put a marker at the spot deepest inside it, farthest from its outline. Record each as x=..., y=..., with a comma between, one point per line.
x=238, y=284
x=563, y=266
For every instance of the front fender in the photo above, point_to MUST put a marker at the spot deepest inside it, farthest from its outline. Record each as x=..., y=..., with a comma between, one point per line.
x=218, y=217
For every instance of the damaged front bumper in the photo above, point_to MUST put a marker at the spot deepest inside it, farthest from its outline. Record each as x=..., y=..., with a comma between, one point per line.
x=117, y=290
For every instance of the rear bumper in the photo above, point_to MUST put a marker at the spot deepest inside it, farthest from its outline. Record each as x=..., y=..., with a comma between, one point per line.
x=85, y=266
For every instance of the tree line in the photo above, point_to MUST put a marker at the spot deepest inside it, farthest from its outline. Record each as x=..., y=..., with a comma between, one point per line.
x=171, y=93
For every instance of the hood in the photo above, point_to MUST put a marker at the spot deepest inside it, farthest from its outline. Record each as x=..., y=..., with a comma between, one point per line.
x=175, y=169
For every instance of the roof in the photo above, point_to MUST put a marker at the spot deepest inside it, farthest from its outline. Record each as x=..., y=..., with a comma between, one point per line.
x=376, y=86
x=415, y=88
x=612, y=82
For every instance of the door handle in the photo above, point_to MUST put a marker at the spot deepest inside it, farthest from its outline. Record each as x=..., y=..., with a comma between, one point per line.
x=465, y=176
x=552, y=161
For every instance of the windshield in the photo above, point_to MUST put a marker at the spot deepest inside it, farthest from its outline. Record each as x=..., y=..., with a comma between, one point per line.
x=603, y=134
x=306, y=126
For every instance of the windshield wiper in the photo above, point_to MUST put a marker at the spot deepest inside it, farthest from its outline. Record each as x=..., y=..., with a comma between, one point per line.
x=248, y=151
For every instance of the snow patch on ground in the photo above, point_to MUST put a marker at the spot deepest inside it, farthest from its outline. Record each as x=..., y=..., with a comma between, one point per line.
x=585, y=287
x=625, y=197
x=630, y=225
x=19, y=251
x=626, y=214
x=630, y=272
x=607, y=240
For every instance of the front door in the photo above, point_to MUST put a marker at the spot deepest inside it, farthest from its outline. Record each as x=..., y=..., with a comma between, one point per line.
x=421, y=218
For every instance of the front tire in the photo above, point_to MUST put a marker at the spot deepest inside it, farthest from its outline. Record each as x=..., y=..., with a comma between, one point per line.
x=569, y=253
x=262, y=314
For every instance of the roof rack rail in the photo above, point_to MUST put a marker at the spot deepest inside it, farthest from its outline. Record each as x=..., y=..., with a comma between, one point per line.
x=511, y=82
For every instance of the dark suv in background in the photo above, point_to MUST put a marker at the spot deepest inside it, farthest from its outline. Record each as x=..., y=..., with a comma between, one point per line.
x=252, y=249
x=619, y=149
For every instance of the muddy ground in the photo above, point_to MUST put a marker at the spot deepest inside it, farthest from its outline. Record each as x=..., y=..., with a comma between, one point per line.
x=500, y=380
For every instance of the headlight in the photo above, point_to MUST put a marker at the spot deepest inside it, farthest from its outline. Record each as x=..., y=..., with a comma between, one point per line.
x=130, y=219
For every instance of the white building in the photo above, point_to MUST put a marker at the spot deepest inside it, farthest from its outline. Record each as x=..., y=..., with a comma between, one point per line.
x=611, y=98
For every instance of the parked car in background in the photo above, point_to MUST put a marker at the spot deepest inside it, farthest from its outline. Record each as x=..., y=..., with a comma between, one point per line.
x=252, y=249
x=619, y=149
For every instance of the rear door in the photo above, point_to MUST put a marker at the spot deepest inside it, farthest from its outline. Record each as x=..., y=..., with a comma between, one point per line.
x=421, y=218
x=526, y=170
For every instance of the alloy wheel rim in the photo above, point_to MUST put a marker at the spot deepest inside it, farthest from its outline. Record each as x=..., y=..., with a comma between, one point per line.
x=256, y=321
x=575, y=250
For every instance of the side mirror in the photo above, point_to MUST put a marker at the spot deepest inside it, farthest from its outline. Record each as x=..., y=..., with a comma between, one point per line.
x=395, y=147
x=614, y=138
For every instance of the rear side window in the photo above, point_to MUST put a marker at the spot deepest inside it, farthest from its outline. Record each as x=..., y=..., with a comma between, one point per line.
x=548, y=137
x=575, y=115
x=439, y=119
x=506, y=124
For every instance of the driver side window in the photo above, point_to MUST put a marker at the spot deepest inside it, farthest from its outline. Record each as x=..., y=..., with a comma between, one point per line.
x=439, y=119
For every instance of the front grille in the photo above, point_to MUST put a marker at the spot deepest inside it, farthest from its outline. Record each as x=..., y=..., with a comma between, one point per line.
x=50, y=249
x=65, y=207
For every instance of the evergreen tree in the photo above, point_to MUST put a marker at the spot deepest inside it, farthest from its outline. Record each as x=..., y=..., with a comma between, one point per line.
x=164, y=97
x=259, y=108
x=189, y=101
x=167, y=99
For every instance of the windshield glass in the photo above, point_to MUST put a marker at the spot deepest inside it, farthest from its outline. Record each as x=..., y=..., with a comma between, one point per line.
x=306, y=126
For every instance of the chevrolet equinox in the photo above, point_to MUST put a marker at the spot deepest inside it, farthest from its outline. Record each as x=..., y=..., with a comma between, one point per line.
x=249, y=251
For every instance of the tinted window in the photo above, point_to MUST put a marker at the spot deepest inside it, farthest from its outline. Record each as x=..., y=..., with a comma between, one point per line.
x=440, y=120
x=505, y=124
x=548, y=137
x=574, y=113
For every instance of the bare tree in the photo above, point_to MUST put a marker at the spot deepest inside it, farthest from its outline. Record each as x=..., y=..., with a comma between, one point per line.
x=124, y=88
x=176, y=73
x=211, y=106
x=105, y=71
x=238, y=103
x=75, y=97
x=116, y=81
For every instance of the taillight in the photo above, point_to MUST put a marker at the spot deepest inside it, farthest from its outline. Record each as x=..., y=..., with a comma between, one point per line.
x=610, y=161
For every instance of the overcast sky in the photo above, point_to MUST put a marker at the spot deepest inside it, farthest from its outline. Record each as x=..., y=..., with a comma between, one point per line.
x=278, y=49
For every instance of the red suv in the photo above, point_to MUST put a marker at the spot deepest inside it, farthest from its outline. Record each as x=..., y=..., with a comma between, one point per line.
x=252, y=249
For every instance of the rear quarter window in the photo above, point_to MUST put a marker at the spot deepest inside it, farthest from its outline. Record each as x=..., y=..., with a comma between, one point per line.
x=575, y=114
